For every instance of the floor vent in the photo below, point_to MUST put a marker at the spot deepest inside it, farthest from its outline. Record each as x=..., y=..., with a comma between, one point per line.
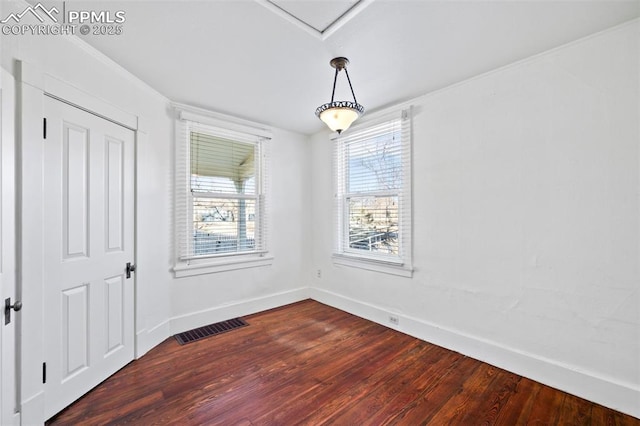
x=209, y=330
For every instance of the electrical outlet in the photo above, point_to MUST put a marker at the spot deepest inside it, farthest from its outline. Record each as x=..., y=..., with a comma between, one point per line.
x=319, y=273
x=393, y=319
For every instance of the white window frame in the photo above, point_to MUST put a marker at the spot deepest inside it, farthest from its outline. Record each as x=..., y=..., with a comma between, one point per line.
x=343, y=255
x=189, y=265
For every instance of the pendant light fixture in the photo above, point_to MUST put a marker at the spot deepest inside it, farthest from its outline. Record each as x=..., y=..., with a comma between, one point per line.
x=339, y=115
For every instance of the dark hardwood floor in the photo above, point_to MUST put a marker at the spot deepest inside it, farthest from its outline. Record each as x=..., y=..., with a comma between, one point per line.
x=311, y=364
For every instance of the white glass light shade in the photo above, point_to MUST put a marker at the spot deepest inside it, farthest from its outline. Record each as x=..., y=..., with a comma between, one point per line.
x=338, y=116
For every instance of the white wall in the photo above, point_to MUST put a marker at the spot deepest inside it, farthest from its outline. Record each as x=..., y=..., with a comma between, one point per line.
x=526, y=221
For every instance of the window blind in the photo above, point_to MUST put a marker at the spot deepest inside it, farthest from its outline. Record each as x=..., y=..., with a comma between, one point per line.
x=220, y=198
x=372, y=165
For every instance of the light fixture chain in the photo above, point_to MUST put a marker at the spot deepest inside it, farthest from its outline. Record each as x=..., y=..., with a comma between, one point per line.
x=350, y=87
x=335, y=78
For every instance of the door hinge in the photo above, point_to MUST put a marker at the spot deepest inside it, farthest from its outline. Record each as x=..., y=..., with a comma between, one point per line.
x=44, y=372
x=44, y=128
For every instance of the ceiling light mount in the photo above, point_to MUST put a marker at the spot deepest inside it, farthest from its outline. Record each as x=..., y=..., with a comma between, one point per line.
x=339, y=115
x=339, y=63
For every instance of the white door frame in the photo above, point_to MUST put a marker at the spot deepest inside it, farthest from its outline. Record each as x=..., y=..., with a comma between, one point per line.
x=8, y=389
x=33, y=86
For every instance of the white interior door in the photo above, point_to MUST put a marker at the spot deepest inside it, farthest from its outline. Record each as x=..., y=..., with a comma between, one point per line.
x=88, y=239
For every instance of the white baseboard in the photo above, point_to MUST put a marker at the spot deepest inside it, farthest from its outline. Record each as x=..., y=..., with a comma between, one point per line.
x=32, y=410
x=147, y=339
x=619, y=396
x=245, y=307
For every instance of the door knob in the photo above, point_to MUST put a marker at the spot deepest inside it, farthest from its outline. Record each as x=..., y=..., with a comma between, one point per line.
x=8, y=307
x=130, y=268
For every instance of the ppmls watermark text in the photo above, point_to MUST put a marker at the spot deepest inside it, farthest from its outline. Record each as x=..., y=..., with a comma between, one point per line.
x=40, y=20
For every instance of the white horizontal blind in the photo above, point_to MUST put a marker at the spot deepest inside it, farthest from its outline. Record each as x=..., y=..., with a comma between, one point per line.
x=373, y=191
x=221, y=203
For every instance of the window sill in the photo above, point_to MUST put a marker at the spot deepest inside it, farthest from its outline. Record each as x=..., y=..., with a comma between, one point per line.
x=212, y=266
x=373, y=265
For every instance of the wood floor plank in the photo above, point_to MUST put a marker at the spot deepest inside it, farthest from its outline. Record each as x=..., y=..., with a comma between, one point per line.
x=344, y=396
x=310, y=364
x=491, y=401
x=429, y=374
x=575, y=411
x=545, y=409
x=335, y=386
x=275, y=388
x=518, y=407
x=449, y=383
x=275, y=352
x=381, y=386
x=467, y=399
x=259, y=376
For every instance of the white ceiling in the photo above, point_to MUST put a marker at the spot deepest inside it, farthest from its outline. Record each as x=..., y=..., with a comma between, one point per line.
x=240, y=58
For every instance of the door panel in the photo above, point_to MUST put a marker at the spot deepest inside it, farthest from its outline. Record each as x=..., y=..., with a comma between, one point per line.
x=75, y=331
x=88, y=240
x=114, y=191
x=114, y=299
x=75, y=191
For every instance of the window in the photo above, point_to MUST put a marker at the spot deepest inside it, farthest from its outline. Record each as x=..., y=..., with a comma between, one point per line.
x=221, y=211
x=373, y=196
